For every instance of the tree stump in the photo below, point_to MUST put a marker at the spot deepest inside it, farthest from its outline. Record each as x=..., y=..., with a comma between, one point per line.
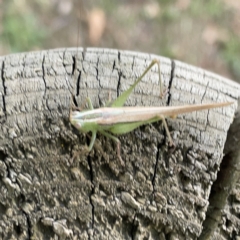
x=51, y=190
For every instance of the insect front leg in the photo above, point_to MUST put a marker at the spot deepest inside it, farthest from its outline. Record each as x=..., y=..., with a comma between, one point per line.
x=117, y=141
x=90, y=106
x=93, y=138
x=74, y=107
x=94, y=133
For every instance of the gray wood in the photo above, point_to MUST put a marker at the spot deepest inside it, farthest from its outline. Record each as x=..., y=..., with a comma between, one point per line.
x=223, y=213
x=50, y=190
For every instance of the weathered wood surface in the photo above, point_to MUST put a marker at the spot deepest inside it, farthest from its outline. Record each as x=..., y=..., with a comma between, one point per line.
x=161, y=193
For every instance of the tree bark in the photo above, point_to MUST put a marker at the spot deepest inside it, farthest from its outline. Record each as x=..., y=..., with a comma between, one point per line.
x=50, y=188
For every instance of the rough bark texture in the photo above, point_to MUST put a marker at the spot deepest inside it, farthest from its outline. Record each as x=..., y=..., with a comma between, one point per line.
x=49, y=190
x=223, y=220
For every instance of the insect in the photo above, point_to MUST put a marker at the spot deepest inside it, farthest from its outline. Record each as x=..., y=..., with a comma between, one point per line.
x=116, y=119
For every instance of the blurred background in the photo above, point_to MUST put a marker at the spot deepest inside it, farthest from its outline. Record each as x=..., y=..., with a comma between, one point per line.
x=204, y=33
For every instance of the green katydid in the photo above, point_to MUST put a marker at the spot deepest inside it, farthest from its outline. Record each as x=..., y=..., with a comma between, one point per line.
x=117, y=119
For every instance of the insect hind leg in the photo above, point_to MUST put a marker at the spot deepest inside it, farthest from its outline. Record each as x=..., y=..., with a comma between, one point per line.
x=166, y=129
